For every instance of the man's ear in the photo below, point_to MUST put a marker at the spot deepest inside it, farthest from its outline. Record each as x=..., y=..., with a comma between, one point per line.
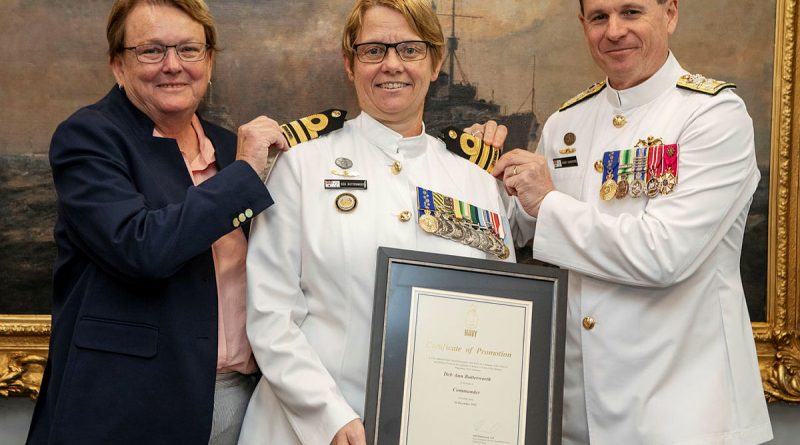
x=672, y=15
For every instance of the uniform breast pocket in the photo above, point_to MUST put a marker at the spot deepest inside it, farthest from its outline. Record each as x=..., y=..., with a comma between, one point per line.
x=568, y=180
x=100, y=334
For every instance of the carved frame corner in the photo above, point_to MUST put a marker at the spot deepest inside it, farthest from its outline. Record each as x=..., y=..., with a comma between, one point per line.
x=23, y=354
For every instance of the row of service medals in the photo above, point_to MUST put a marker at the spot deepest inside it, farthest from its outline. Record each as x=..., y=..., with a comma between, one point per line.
x=457, y=220
x=650, y=169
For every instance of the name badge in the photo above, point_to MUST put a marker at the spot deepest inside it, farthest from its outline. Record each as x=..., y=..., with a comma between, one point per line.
x=569, y=161
x=336, y=184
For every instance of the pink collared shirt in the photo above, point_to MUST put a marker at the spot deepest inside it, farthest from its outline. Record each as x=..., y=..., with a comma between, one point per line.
x=229, y=252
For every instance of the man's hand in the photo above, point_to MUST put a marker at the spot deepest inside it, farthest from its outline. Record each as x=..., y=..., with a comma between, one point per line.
x=526, y=176
x=491, y=132
x=351, y=434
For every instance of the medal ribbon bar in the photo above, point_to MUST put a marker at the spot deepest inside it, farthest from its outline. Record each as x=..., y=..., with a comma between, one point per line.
x=650, y=168
x=457, y=220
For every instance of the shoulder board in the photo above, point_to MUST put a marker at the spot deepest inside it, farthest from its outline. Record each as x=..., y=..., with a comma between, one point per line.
x=702, y=84
x=313, y=126
x=587, y=93
x=471, y=148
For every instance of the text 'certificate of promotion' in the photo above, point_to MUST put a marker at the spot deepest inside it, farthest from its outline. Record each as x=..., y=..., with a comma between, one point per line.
x=466, y=379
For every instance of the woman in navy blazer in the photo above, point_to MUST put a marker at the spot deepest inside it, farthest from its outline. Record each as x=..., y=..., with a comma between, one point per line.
x=133, y=352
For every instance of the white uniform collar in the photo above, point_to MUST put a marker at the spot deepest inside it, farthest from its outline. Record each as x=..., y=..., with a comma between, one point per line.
x=648, y=90
x=389, y=140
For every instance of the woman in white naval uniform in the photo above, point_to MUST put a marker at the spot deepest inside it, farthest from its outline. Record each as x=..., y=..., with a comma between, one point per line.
x=311, y=265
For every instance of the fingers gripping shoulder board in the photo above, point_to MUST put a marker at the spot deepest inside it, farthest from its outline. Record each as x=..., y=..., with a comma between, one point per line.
x=471, y=148
x=306, y=129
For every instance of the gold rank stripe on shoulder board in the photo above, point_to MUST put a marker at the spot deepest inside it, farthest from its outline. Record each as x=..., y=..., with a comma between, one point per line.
x=313, y=126
x=587, y=93
x=702, y=84
x=305, y=129
x=471, y=148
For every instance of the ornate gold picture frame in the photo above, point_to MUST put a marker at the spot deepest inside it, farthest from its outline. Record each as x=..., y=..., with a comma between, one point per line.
x=24, y=338
x=778, y=339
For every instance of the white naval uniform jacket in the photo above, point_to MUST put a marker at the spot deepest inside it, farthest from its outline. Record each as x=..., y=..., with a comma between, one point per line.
x=671, y=357
x=311, y=271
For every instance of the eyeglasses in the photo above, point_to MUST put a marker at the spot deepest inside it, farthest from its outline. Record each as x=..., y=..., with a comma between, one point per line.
x=374, y=52
x=155, y=52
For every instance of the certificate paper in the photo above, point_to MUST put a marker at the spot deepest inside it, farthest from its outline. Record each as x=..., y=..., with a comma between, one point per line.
x=466, y=379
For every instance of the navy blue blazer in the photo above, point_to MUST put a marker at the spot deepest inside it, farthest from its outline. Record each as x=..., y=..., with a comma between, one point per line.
x=133, y=349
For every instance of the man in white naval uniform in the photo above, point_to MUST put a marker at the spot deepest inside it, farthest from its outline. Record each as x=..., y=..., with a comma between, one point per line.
x=659, y=345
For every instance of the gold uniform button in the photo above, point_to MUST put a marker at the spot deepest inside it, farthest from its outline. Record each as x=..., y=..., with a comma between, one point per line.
x=405, y=216
x=598, y=166
x=588, y=323
x=396, y=168
x=236, y=222
x=242, y=218
x=248, y=213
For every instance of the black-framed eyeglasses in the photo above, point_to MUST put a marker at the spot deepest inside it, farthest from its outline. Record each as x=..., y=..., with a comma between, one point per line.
x=156, y=52
x=375, y=52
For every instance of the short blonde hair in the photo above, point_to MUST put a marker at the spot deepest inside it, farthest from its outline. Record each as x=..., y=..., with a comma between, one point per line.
x=418, y=13
x=196, y=9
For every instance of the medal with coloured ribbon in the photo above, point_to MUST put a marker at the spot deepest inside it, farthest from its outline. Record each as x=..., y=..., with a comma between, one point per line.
x=608, y=189
x=651, y=168
x=460, y=221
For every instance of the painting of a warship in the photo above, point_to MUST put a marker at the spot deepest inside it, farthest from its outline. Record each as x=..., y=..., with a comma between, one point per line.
x=453, y=101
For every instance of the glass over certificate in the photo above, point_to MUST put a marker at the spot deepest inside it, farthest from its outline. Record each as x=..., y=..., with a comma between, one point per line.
x=465, y=351
x=466, y=379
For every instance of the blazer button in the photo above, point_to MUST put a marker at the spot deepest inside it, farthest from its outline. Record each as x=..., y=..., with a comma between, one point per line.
x=405, y=216
x=242, y=218
x=248, y=213
x=588, y=323
x=236, y=222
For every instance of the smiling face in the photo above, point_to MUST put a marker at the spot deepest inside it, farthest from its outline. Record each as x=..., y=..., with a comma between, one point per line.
x=392, y=91
x=171, y=89
x=628, y=39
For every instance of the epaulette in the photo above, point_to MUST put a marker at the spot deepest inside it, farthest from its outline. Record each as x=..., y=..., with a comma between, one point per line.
x=302, y=130
x=471, y=148
x=314, y=126
x=703, y=84
x=587, y=93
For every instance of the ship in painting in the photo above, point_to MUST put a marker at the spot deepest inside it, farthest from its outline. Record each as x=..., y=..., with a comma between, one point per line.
x=454, y=101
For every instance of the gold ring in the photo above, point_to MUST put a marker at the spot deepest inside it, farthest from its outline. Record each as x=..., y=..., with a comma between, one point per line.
x=514, y=172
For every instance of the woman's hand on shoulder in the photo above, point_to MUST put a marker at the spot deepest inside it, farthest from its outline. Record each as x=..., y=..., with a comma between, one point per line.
x=256, y=138
x=351, y=434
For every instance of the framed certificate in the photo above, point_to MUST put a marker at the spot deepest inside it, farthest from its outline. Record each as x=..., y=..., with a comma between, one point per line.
x=465, y=351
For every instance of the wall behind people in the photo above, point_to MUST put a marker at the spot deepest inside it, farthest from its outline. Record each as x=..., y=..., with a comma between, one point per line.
x=280, y=57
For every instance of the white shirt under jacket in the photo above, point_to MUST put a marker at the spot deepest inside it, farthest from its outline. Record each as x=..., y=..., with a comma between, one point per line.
x=671, y=359
x=311, y=271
